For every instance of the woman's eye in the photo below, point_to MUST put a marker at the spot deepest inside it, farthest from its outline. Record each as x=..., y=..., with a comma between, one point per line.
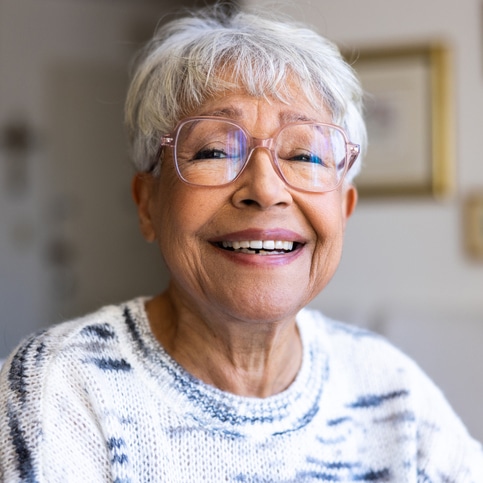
x=210, y=154
x=308, y=158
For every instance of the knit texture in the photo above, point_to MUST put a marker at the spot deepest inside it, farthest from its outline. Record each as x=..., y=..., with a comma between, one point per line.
x=99, y=400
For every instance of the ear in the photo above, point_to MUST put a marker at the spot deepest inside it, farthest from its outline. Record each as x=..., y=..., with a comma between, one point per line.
x=142, y=192
x=349, y=201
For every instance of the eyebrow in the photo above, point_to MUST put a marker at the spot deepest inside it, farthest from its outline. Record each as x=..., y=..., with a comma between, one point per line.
x=292, y=116
x=285, y=117
x=230, y=112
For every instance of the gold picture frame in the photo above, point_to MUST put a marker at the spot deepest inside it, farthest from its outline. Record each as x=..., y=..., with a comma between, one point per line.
x=473, y=221
x=409, y=120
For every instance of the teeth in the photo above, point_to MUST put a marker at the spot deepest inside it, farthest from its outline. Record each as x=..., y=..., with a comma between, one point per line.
x=259, y=245
x=269, y=245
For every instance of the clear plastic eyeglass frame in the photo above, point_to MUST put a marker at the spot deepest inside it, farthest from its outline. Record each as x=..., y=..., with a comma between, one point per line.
x=352, y=151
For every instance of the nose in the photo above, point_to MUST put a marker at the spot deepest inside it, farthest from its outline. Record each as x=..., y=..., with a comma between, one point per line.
x=260, y=184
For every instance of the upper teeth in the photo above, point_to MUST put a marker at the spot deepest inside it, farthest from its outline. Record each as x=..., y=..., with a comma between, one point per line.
x=260, y=244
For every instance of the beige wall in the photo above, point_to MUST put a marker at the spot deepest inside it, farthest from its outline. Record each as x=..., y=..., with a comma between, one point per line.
x=69, y=240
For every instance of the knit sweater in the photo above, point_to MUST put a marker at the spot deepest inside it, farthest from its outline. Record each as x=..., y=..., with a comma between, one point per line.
x=99, y=400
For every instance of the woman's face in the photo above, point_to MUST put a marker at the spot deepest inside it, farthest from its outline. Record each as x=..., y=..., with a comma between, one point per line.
x=191, y=224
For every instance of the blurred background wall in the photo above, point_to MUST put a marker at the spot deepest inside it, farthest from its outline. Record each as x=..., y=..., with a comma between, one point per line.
x=69, y=240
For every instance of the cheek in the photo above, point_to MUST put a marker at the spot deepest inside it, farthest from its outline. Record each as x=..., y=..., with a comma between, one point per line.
x=328, y=223
x=175, y=204
x=327, y=218
x=176, y=229
x=184, y=209
x=184, y=213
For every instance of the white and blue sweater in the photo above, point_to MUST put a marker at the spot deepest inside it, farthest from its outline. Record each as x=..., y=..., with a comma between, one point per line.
x=99, y=400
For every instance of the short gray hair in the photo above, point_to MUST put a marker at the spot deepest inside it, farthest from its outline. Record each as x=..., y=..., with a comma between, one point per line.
x=198, y=56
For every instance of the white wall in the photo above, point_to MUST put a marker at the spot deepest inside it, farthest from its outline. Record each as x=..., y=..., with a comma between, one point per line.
x=404, y=271
x=64, y=70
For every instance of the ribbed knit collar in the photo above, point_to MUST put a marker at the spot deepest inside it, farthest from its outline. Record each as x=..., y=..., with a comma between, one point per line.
x=228, y=413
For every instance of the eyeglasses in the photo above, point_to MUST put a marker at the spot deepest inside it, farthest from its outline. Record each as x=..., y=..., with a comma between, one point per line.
x=308, y=156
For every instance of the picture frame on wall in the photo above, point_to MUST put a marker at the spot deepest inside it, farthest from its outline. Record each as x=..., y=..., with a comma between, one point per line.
x=408, y=114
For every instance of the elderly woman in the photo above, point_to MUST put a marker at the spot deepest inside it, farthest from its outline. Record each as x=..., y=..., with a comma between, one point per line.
x=245, y=133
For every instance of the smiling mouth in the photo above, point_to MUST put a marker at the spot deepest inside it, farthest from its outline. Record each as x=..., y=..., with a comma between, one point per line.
x=260, y=247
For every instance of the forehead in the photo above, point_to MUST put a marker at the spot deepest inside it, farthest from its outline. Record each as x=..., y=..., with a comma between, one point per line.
x=288, y=92
x=239, y=105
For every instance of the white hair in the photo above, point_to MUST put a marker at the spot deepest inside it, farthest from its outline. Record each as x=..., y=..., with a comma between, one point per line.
x=198, y=56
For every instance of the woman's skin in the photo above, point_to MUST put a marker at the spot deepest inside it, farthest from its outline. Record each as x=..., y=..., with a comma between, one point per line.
x=228, y=317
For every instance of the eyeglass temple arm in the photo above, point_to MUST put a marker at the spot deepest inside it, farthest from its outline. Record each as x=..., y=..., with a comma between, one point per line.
x=166, y=140
x=353, y=152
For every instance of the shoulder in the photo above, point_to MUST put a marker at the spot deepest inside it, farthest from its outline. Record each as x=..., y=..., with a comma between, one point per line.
x=379, y=381
x=342, y=340
x=364, y=357
x=67, y=346
x=376, y=372
x=50, y=385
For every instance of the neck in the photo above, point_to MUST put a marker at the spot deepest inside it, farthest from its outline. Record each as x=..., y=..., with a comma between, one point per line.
x=247, y=358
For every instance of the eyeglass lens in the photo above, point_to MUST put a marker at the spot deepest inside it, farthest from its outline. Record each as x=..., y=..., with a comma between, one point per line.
x=212, y=152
